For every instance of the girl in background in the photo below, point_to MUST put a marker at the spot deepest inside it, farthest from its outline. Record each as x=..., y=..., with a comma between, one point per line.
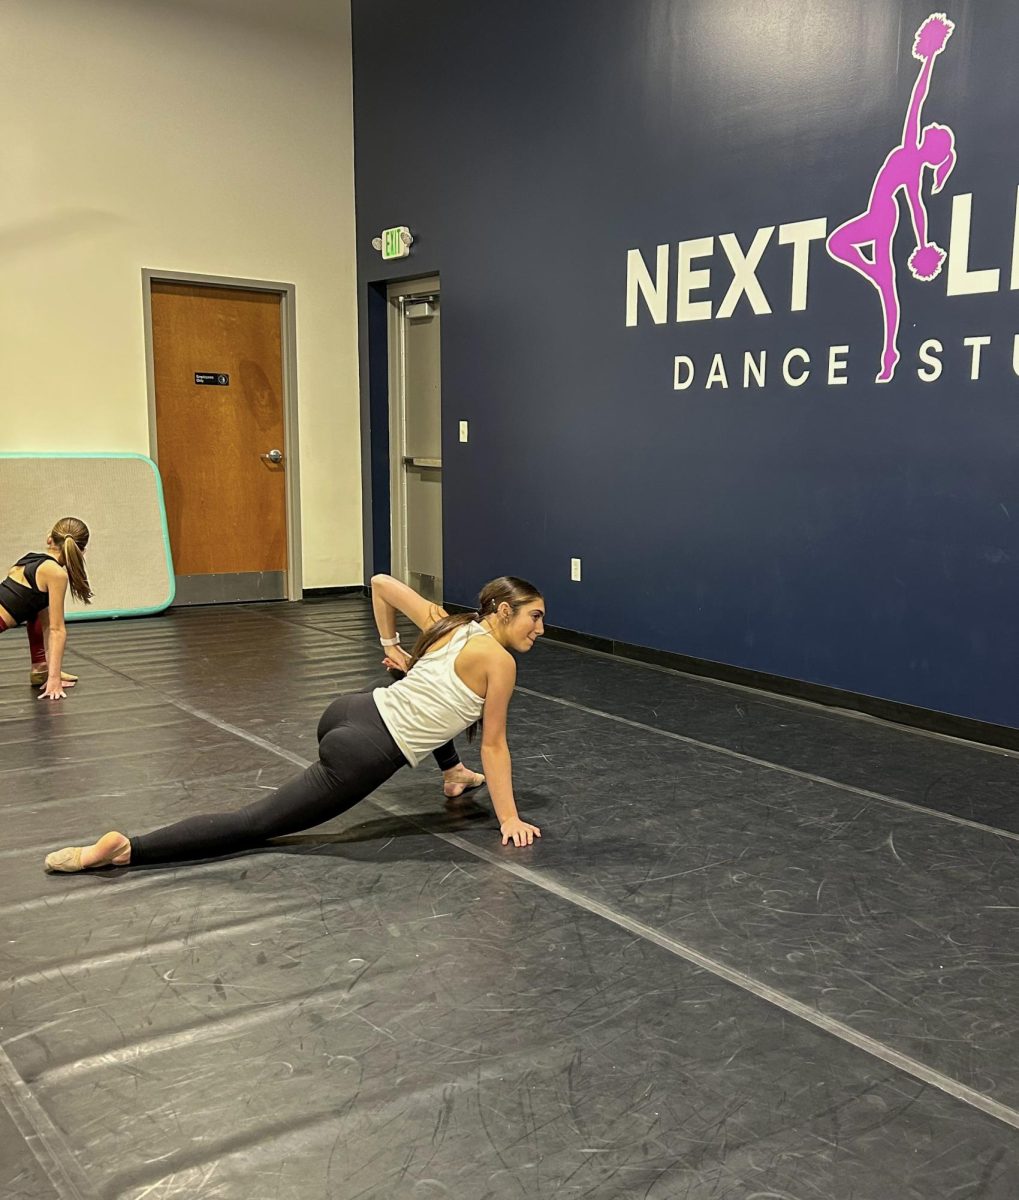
x=33, y=595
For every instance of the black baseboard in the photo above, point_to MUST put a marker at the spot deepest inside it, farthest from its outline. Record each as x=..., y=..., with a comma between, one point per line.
x=887, y=710
x=351, y=590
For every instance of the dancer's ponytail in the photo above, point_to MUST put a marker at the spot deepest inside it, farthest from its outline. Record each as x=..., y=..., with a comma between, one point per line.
x=71, y=536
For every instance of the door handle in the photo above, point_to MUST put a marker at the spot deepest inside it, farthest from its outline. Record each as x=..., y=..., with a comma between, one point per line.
x=274, y=456
x=411, y=461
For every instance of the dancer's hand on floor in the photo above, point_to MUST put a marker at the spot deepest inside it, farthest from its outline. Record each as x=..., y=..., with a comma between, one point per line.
x=53, y=691
x=519, y=832
x=38, y=677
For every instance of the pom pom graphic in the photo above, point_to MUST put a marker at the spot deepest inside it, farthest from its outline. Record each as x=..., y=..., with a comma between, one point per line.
x=925, y=262
x=932, y=36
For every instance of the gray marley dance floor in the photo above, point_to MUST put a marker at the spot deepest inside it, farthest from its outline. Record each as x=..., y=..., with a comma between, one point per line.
x=764, y=951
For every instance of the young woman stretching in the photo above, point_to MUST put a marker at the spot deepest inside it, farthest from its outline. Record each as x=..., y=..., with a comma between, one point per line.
x=33, y=594
x=456, y=778
x=461, y=670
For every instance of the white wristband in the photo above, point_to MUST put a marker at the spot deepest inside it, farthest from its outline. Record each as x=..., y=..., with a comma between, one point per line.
x=393, y=641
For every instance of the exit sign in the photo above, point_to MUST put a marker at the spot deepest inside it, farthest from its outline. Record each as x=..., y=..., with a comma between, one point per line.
x=393, y=243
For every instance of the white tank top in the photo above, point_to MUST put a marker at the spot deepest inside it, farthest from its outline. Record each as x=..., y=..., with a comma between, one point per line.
x=432, y=704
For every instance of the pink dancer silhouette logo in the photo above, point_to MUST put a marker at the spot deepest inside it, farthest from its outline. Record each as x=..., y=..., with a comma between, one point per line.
x=933, y=147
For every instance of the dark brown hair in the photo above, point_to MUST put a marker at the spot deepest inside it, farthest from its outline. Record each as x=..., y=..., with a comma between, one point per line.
x=71, y=538
x=507, y=589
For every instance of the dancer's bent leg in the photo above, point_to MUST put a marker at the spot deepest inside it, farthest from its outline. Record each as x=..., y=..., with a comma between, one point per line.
x=36, y=629
x=36, y=643
x=456, y=778
x=446, y=757
x=356, y=756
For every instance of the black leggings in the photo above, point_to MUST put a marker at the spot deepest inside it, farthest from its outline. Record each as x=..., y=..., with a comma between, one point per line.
x=356, y=755
x=446, y=757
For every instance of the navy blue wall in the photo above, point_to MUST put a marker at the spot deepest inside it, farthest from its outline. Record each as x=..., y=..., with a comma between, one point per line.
x=860, y=535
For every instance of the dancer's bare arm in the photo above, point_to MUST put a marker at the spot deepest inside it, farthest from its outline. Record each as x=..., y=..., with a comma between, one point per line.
x=390, y=596
x=911, y=129
x=931, y=38
x=55, y=582
x=917, y=212
x=495, y=755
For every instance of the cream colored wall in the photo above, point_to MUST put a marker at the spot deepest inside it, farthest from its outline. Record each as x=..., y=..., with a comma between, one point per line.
x=207, y=136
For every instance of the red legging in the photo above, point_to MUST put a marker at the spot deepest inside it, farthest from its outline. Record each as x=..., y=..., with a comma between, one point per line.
x=36, y=644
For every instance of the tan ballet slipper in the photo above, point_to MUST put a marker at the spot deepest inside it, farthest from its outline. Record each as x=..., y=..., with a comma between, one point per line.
x=477, y=779
x=70, y=859
x=66, y=860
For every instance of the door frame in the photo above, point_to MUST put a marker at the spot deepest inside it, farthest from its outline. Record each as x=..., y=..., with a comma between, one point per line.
x=288, y=344
x=398, y=292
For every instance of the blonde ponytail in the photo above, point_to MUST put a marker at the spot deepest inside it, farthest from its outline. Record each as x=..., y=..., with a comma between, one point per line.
x=72, y=536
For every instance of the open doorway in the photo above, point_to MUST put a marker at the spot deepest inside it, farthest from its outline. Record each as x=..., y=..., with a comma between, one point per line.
x=415, y=434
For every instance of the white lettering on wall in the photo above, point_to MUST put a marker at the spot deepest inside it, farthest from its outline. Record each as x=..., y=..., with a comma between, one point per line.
x=837, y=365
x=795, y=380
x=977, y=344
x=757, y=368
x=649, y=293
x=692, y=281
x=717, y=373
x=799, y=235
x=961, y=280
x=638, y=279
x=744, y=272
x=933, y=365
x=681, y=362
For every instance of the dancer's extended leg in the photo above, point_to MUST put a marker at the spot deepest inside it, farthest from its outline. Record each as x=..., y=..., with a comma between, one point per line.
x=886, y=284
x=356, y=755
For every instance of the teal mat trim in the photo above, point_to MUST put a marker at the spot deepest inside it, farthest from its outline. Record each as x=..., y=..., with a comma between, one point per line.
x=113, y=613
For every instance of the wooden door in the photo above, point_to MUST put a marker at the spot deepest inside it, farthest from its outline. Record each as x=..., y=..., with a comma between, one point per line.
x=217, y=355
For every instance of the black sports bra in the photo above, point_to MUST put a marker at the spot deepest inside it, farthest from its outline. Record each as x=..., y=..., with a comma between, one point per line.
x=25, y=603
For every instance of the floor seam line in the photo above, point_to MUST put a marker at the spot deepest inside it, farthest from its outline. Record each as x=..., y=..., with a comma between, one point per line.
x=799, y=701
x=865, y=793
x=835, y=1028
x=48, y=1145
x=797, y=1008
x=315, y=628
